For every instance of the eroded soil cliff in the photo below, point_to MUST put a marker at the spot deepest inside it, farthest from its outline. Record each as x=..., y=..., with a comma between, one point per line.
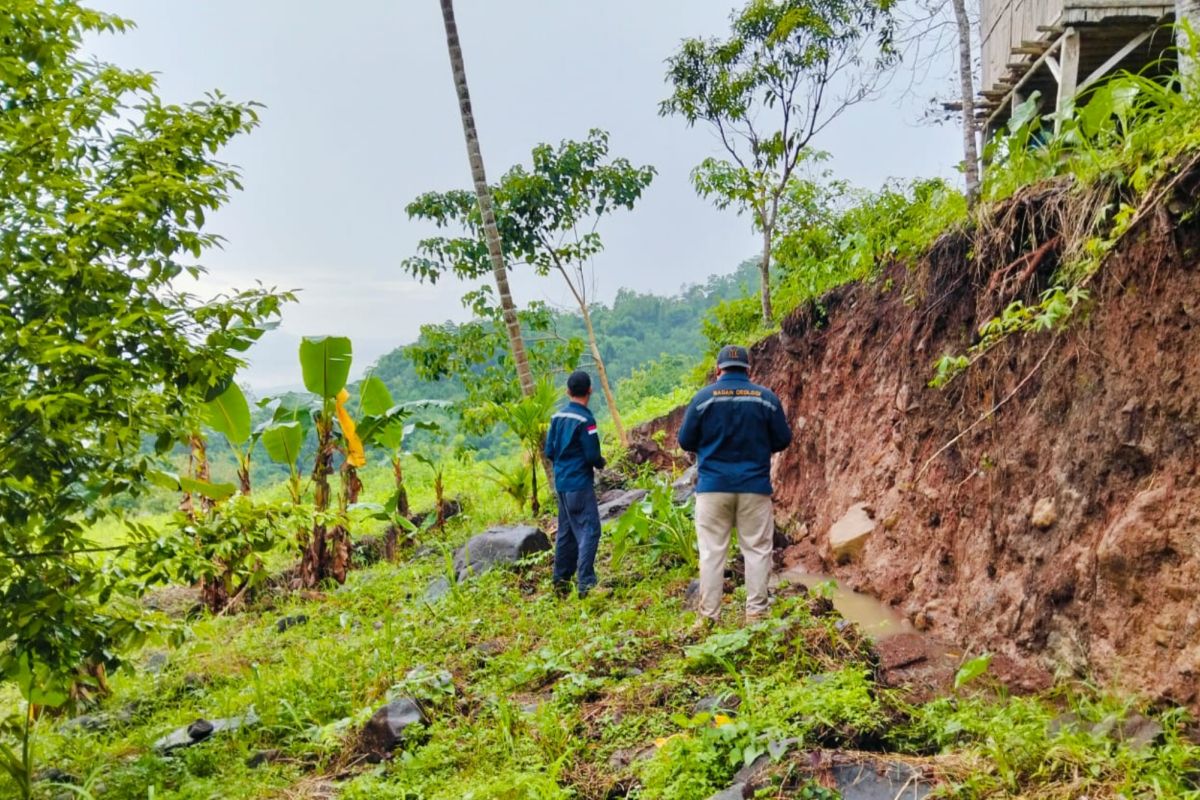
x=1046, y=504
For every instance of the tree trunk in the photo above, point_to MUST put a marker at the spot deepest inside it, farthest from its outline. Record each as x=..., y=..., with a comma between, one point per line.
x=535, y=506
x=243, y=473
x=199, y=469
x=764, y=268
x=402, y=510
x=401, y=493
x=320, y=558
x=484, y=195
x=966, y=80
x=1188, y=11
x=609, y=397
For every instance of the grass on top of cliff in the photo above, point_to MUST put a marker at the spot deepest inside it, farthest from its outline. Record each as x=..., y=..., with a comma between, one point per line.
x=533, y=696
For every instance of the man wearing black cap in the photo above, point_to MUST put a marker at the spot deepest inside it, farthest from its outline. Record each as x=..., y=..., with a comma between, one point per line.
x=734, y=426
x=573, y=445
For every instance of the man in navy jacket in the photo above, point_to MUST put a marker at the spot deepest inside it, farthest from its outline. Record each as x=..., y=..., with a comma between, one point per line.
x=734, y=426
x=573, y=445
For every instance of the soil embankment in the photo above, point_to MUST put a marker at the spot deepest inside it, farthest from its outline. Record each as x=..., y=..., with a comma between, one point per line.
x=1046, y=504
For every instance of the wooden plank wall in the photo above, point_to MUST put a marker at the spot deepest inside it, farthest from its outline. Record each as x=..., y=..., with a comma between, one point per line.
x=1007, y=23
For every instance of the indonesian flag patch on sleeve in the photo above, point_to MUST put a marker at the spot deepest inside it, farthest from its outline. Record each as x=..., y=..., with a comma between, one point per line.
x=592, y=430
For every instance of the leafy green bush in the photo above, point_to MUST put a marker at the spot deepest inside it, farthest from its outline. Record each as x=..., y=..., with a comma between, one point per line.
x=657, y=526
x=700, y=760
x=1129, y=129
x=827, y=242
x=220, y=551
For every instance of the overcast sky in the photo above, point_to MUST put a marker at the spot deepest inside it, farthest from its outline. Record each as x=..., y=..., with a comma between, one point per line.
x=361, y=117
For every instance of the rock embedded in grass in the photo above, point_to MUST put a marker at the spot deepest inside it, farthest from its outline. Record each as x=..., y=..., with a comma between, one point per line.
x=502, y=546
x=290, y=622
x=201, y=730
x=438, y=588
x=618, y=503
x=391, y=726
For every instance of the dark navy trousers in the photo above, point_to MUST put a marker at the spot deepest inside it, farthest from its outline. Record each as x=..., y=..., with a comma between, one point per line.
x=577, y=539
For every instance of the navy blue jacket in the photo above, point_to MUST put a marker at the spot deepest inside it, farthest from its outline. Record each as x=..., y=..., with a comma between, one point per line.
x=573, y=444
x=734, y=426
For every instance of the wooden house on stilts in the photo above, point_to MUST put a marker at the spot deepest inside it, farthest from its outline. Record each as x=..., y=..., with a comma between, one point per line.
x=1058, y=48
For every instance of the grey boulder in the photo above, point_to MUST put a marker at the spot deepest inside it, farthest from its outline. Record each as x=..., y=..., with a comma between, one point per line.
x=617, y=503
x=498, y=547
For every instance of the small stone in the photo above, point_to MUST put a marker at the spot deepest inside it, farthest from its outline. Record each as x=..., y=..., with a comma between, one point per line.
x=262, y=757
x=194, y=681
x=155, y=663
x=1139, y=732
x=490, y=649
x=437, y=589
x=849, y=534
x=54, y=775
x=691, y=596
x=91, y=723
x=377, y=625
x=628, y=756
x=200, y=729
x=778, y=748
x=391, y=726
x=724, y=703
x=1044, y=514
x=290, y=622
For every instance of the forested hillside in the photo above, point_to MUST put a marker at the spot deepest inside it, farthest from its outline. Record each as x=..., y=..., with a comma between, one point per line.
x=660, y=338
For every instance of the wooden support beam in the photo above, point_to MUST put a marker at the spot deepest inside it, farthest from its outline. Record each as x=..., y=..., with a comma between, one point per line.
x=1115, y=59
x=1055, y=70
x=1068, y=76
x=1020, y=81
x=1049, y=29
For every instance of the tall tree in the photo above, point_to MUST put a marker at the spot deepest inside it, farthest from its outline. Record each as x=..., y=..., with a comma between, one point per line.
x=966, y=81
x=548, y=217
x=928, y=31
x=787, y=70
x=104, y=192
x=484, y=198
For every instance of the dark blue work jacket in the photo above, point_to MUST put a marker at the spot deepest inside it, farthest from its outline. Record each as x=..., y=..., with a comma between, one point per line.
x=573, y=444
x=734, y=426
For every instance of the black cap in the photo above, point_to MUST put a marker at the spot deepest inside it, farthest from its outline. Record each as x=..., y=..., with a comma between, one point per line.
x=579, y=383
x=733, y=356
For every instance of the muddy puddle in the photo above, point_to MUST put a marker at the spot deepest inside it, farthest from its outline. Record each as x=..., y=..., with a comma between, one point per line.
x=875, y=618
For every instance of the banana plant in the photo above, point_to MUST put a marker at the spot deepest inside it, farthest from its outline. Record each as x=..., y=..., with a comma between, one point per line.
x=529, y=419
x=227, y=412
x=438, y=468
x=325, y=366
x=386, y=425
x=283, y=439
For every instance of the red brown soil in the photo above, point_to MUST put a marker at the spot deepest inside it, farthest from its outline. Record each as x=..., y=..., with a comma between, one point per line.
x=1103, y=423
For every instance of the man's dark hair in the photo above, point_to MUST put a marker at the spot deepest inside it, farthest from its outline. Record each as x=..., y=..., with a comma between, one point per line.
x=579, y=384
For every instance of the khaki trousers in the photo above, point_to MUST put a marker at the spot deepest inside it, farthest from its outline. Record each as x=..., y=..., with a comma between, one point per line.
x=717, y=513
